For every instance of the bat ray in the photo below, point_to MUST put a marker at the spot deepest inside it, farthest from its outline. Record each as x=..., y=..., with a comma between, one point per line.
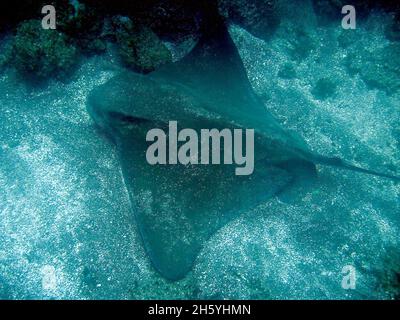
x=178, y=207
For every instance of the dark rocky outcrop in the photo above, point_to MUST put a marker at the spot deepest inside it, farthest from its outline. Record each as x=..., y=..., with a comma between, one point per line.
x=169, y=19
x=259, y=17
x=324, y=88
x=139, y=47
x=42, y=53
x=380, y=69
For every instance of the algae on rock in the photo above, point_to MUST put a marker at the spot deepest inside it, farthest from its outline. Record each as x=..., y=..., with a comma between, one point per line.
x=380, y=69
x=140, y=48
x=83, y=27
x=42, y=53
x=324, y=89
x=259, y=17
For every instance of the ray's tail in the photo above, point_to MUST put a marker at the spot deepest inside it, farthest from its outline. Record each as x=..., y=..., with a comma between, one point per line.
x=340, y=163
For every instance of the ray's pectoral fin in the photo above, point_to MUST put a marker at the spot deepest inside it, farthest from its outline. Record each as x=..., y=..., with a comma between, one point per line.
x=178, y=207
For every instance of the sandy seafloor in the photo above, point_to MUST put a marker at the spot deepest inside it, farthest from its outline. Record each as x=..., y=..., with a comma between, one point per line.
x=67, y=229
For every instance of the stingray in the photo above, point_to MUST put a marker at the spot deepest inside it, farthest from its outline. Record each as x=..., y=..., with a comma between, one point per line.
x=178, y=207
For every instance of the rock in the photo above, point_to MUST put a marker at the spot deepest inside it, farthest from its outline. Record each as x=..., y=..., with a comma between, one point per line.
x=174, y=20
x=301, y=45
x=259, y=17
x=6, y=51
x=83, y=25
x=324, y=88
x=171, y=20
x=42, y=53
x=140, y=48
x=388, y=274
x=287, y=71
x=393, y=30
x=380, y=69
x=298, y=43
x=346, y=39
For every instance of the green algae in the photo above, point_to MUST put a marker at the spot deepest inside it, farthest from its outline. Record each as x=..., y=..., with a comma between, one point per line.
x=42, y=54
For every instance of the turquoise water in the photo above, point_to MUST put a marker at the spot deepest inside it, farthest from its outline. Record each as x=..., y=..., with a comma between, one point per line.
x=66, y=224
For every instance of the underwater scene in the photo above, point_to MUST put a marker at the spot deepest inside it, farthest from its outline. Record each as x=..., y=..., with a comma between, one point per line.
x=200, y=149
